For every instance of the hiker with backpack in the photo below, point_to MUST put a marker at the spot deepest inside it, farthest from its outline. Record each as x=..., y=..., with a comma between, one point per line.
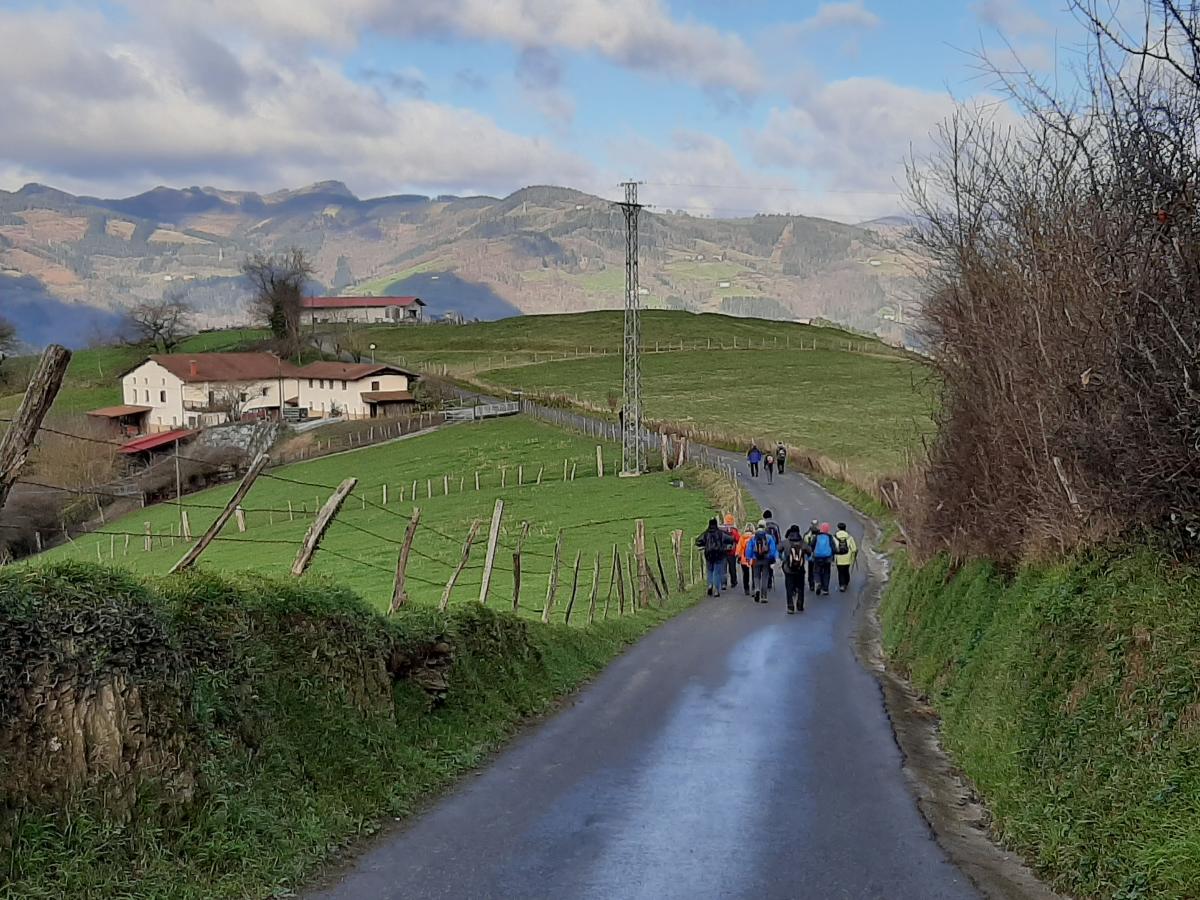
x=714, y=544
x=770, y=463
x=823, y=551
x=754, y=457
x=794, y=552
x=781, y=457
x=731, y=558
x=773, y=530
x=763, y=551
x=745, y=563
x=845, y=555
x=810, y=537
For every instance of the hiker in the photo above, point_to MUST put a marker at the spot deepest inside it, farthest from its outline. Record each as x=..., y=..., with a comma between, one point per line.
x=763, y=551
x=714, y=543
x=793, y=552
x=754, y=457
x=822, y=558
x=781, y=457
x=745, y=563
x=770, y=463
x=731, y=559
x=810, y=537
x=773, y=530
x=846, y=554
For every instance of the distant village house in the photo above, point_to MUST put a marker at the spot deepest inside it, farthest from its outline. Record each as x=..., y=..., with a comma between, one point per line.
x=362, y=310
x=166, y=392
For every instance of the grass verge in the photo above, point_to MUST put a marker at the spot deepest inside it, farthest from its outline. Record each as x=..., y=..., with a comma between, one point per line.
x=301, y=717
x=1070, y=696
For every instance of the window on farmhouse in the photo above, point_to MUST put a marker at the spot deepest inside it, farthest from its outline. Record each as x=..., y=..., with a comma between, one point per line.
x=162, y=396
x=374, y=385
x=343, y=385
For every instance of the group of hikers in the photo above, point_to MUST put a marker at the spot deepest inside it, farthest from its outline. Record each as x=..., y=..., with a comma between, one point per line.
x=755, y=457
x=756, y=549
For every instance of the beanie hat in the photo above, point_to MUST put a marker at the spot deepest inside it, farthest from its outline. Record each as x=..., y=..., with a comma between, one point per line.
x=824, y=528
x=728, y=519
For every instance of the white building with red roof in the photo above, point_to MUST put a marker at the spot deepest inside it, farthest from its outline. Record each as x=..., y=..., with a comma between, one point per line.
x=362, y=310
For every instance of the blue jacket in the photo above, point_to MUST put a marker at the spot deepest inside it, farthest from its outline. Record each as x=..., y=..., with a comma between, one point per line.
x=772, y=552
x=755, y=455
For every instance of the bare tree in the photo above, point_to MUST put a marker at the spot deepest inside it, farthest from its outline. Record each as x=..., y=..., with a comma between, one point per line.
x=278, y=283
x=1062, y=309
x=229, y=398
x=163, y=323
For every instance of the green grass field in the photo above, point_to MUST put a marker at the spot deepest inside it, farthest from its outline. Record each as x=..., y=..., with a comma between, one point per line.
x=866, y=411
x=594, y=513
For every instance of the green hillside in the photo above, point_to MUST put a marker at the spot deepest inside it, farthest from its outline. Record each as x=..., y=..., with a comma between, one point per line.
x=360, y=549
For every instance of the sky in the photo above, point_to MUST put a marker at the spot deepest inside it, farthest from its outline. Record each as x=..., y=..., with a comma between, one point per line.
x=720, y=108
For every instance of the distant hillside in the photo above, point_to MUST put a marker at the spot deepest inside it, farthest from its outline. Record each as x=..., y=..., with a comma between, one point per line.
x=540, y=250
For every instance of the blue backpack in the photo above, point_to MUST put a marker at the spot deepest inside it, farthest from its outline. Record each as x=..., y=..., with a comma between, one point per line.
x=823, y=547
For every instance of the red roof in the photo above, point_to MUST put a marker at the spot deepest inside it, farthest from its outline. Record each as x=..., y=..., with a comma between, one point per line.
x=358, y=302
x=154, y=441
x=387, y=396
x=350, y=371
x=118, y=412
x=219, y=367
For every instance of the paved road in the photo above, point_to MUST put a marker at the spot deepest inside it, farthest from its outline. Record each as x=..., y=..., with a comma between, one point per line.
x=734, y=752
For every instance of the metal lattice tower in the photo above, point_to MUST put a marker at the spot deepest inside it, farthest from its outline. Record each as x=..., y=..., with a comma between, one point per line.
x=633, y=451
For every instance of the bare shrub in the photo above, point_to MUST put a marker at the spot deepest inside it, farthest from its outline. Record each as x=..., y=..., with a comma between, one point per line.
x=1063, y=312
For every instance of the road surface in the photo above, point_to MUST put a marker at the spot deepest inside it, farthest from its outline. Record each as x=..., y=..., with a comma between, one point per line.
x=735, y=751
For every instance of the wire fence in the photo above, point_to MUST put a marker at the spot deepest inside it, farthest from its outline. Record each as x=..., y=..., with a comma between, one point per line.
x=371, y=529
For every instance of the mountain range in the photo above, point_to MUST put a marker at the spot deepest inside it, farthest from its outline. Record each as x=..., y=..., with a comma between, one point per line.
x=539, y=250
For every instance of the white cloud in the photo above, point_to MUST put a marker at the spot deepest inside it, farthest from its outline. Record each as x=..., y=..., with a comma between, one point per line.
x=638, y=34
x=840, y=15
x=146, y=112
x=1012, y=18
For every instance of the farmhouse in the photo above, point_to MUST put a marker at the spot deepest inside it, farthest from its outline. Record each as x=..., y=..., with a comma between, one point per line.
x=165, y=392
x=355, y=390
x=365, y=310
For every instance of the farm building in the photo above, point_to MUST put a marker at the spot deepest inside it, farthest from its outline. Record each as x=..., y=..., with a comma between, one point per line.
x=165, y=392
x=364, y=310
x=355, y=390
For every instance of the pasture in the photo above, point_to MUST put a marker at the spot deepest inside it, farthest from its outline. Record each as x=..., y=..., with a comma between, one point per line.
x=360, y=549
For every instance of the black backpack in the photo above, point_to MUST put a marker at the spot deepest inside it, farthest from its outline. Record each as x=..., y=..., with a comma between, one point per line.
x=843, y=546
x=714, y=544
x=762, y=546
x=796, y=556
x=773, y=531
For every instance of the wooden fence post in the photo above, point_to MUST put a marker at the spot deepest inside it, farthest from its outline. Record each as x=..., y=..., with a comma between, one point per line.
x=291, y=514
x=214, y=529
x=595, y=590
x=639, y=537
x=599, y=461
x=185, y=527
x=691, y=569
x=414, y=491
x=517, y=566
x=445, y=485
x=490, y=559
x=572, y=471
x=633, y=579
x=39, y=396
x=662, y=573
x=428, y=488
x=619, y=572
x=462, y=564
x=612, y=578
x=240, y=517
x=677, y=544
x=662, y=446
x=149, y=537
x=476, y=479
x=574, y=589
x=552, y=581
x=385, y=495
x=317, y=529
x=399, y=588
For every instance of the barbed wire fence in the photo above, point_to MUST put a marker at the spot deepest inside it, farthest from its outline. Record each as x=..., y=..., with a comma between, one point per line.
x=450, y=565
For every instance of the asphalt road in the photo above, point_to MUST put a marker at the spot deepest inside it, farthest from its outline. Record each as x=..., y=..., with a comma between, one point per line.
x=735, y=751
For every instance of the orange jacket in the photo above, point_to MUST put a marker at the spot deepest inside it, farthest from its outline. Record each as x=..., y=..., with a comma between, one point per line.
x=741, y=549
